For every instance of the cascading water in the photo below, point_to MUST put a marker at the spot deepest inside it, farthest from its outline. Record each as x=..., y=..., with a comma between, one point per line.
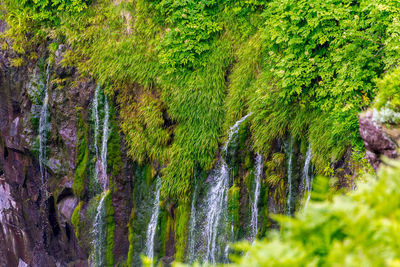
x=44, y=127
x=254, y=203
x=106, y=130
x=101, y=160
x=151, y=229
x=99, y=228
x=308, y=175
x=290, y=155
x=99, y=232
x=217, y=199
x=217, y=202
x=95, y=109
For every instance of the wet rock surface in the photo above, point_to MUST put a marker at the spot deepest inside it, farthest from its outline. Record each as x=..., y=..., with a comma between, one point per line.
x=30, y=233
x=35, y=224
x=378, y=140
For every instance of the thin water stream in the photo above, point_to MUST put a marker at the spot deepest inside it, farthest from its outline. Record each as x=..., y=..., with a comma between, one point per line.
x=254, y=203
x=152, y=227
x=308, y=175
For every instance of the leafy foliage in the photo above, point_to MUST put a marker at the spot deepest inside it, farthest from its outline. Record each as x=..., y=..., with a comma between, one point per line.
x=193, y=26
x=49, y=9
x=319, y=67
x=389, y=91
x=185, y=71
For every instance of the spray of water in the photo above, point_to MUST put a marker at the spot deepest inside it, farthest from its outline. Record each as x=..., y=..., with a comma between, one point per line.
x=99, y=229
x=99, y=232
x=217, y=200
x=101, y=160
x=95, y=109
x=216, y=206
x=254, y=203
x=106, y=130
x=151, y=230
x=289, y=152
x=308, y=175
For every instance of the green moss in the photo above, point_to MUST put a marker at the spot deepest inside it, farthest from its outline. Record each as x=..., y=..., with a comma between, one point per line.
x=275, y=169
x=167, y=225
x=75, y=219
x=34, y=121
x=249, y=179
x=233, y=207
x=148, y=174
x=264, y=211
x=82, y=158
x=248, y=162
x=181, y=229
x=110, y=229
x=131, y=234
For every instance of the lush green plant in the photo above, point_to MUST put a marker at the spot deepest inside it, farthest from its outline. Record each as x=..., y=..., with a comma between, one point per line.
x=389, y=91
x=185, y=71
x=49, y=9
x=191, y=28
x=319, y=66
x=76, y=219
x=110, y=229
x=233, y=207
x=181, y=229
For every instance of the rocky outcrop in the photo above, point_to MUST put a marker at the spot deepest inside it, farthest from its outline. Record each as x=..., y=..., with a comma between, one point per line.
x=379, y=140
x=30, y=227
x=35, y=219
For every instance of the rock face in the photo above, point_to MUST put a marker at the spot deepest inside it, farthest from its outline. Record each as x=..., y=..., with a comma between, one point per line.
x=35, y=219
x=378, y=139
x=29, y=226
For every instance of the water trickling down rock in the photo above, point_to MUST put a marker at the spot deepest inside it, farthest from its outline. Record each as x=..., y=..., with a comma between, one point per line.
x=290, y=155
x=308, y=175
x=254, y=202
x=216, y=205
x=152, y=227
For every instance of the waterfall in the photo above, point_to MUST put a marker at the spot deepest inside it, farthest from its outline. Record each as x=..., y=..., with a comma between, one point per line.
x=99, y=228
x=95, y=109
x=217, y=200
x=106, y=130
x=192, y=227
x=44, y=127
x=308, y=174
x=254, y=204
x=99, y=232
x=101, y=162
x=289, y=152
x=233, y=131
x=151, y=230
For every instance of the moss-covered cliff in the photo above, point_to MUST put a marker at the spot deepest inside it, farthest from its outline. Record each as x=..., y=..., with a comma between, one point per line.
x=192, y=92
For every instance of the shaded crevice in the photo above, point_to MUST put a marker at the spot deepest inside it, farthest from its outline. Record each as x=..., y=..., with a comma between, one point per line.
x=53, y=217
x=66, y=192
x=5, y=154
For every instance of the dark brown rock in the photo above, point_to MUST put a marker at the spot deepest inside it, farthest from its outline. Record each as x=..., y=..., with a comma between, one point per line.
x=377, y=141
